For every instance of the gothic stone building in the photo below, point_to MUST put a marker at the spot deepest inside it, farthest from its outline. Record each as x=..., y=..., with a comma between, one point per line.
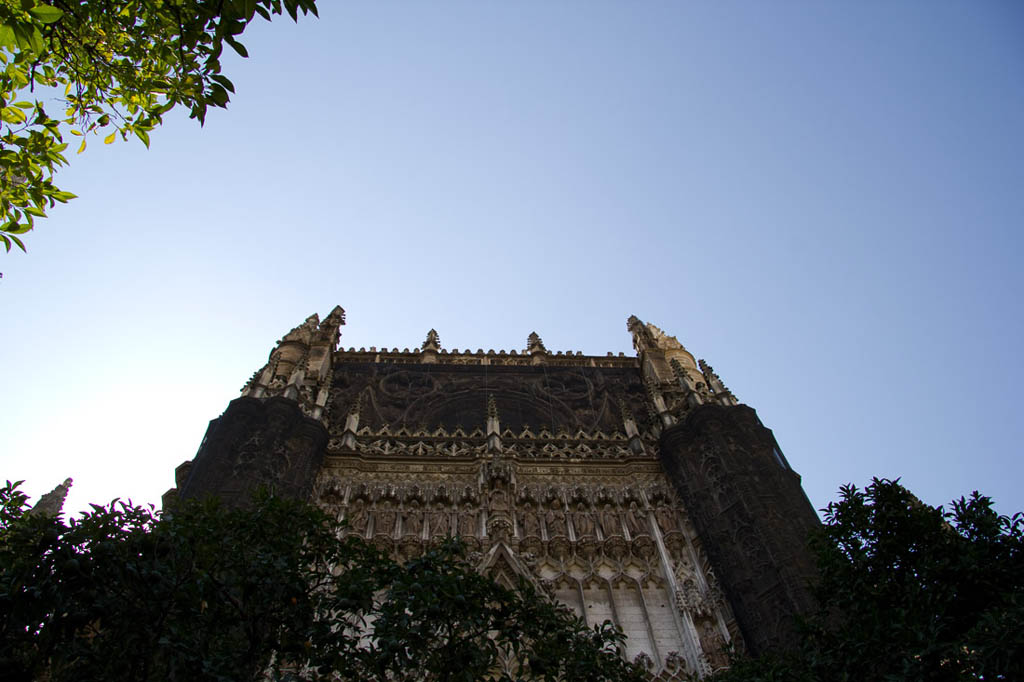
x=633, y=489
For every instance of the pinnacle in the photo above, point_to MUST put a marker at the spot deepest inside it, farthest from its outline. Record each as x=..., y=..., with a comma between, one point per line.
x=433, y=341
x=337, y=313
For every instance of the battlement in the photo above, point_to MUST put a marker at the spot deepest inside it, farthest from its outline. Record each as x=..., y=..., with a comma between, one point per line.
x=491, y=357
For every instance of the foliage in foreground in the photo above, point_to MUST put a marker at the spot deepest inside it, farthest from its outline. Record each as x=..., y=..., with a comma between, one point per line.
x=107, y=67
x=909, y=592
x=207, y=593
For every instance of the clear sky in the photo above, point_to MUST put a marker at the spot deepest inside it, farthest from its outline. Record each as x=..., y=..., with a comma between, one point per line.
x=823, y=200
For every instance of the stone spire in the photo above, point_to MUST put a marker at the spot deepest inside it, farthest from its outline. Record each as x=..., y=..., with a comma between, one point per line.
x=535, y=349
x=642, y=339
x=430, y=347
x=632, y=432
x=299, y=366
x=691, y=390
x=721, y=393
x=657, y=350
x=658, y=401
x=493, y=426
x=52, y=502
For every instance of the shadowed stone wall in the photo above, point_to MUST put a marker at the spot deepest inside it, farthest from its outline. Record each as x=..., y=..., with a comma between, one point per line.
x=752, y=514
x=257, y=443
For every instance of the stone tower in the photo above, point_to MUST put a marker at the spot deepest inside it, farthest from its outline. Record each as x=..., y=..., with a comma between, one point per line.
x=634, y=489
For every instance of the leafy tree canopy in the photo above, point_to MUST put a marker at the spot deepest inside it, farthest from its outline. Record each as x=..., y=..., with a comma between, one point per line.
x=909, y=592
x=269, y=592
x=110, y=68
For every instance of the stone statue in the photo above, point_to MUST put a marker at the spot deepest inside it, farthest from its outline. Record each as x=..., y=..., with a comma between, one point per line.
x=468, y=521
x=439, y=521
x=499, y=501
x=412, y=524
x=713, y=644
x=635, y=521
x=583, y=522
x=529, y=524
x=556, y=522
x=385, y=521
x=666, y=520
x=357, y=519
x=610, y=523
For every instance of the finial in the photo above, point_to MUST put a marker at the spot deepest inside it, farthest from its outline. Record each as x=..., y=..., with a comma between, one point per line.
x=336, y=316
x=642, y=339
x=433, y=342
x=632, y=432
x=689, y=388
x=534, y=344
x=723, y=394
x=493, y=426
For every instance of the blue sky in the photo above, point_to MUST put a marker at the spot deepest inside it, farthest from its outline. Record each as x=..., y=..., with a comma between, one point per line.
x=823, y=200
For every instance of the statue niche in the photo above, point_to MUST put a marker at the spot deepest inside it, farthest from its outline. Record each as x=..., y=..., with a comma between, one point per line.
x=412, y=524
x=583, y=522
x=384, y=521
x=357, y=519
x=611, y=526
x=636, y=521
x=438, y=521
x=529, y=523
x=468, y=521
x=555, y=519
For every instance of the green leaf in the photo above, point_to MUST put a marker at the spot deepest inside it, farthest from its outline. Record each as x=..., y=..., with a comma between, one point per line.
x=223, y=81
x=19, y=228
x=237, y=46
x=12, y=115
x=133, y=62
x=46, y=13
x=7, y=38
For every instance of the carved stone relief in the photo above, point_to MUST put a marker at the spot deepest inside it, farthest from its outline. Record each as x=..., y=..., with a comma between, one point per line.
x=587, y=532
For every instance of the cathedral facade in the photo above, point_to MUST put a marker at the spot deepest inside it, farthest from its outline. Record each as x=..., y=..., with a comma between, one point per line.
x=634, y=489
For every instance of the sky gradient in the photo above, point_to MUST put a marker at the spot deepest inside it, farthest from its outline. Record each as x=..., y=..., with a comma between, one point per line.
x=823, y=200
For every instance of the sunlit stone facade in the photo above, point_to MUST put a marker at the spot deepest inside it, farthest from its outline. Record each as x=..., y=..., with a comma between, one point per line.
x=633, y=489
